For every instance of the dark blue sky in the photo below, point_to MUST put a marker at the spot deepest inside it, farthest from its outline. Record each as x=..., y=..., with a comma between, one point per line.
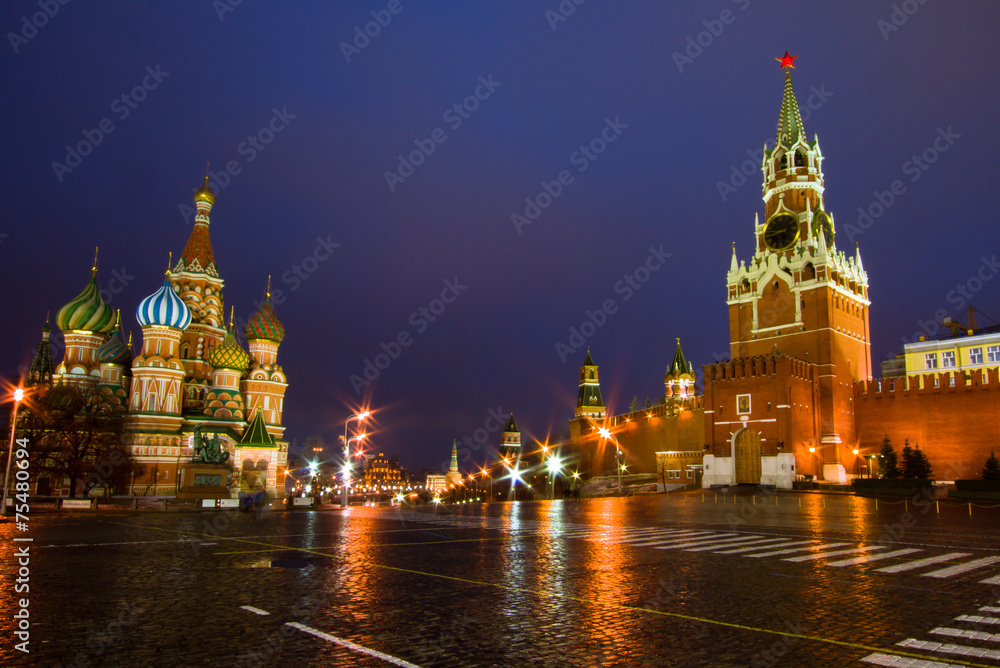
x=885, y=95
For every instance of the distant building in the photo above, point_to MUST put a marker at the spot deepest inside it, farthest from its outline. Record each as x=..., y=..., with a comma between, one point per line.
x=453, y=478
x=436, y=483
x=382, y=473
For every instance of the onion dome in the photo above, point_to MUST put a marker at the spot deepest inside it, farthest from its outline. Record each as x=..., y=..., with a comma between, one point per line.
x=163, y=308
x=87, y=312
x=264, y=324
x=114, y=352
x=229, y=354
x=204, y=194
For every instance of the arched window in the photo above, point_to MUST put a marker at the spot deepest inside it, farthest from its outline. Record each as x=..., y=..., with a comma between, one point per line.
x=590, y=375
x=800, y=158
x=783, y=161
x=808, y=272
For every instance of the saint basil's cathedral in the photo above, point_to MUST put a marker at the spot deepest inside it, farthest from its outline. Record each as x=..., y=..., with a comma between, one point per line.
x=190, y=370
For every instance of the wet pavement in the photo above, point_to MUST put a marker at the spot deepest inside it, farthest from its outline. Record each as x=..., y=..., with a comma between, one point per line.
x=678, y=580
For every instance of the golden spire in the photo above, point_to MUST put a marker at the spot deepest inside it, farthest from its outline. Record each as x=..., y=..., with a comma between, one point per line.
x=231, y=310
x=269, y=286
x=170, y=261
x=118, y=318
x=93, y=269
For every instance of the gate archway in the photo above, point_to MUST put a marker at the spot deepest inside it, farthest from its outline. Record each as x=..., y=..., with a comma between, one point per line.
x=746, y=453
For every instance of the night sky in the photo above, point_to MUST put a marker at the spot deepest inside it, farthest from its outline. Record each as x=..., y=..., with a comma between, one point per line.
x=681, y=117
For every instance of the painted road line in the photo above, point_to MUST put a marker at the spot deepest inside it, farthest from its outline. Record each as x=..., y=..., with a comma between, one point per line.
x=741, y=550
x=692, y=536
x=920, y=563
x=256, y=611
x=749, y=541
x=948, y=648
x=871, y=557
x=824, y=555
x=967, y=635
x=989, y=608
x=977, y=619
x=880, y=659
x=991, y=581
x=698, y=543
x=961, y=568
x=821, y=546
x=352, y=646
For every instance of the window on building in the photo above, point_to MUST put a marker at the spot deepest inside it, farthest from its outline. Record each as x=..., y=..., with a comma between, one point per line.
x=993, y=353
x=937, y=381
x=930, y=361
x=976, y=356
x=951, y=381
x=690, y=474
x=948, y=359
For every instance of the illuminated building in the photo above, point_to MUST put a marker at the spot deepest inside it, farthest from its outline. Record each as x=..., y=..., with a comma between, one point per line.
x=382, y=472
x=190, y=370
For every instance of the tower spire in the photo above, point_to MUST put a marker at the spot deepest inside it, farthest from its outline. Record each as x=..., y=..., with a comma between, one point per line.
x=789, y=121
x=93, y=269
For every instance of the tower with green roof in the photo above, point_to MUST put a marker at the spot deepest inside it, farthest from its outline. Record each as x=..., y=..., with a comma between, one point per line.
x=589, y=402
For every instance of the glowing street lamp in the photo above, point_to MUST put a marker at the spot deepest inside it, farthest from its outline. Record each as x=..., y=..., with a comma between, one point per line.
x=18, y=397
x=347, y=453
x=486, y=473
x=554, y=466
x=605, y=433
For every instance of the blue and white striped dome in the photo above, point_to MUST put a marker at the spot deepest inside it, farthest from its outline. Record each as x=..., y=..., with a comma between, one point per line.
x=163, y=308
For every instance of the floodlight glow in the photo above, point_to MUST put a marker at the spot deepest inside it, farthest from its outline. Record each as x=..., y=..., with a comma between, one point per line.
x=554, y=464
x=18, y=394
x=604, y=432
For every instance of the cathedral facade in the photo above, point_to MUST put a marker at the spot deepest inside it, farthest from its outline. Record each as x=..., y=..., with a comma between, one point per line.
x=189, y=373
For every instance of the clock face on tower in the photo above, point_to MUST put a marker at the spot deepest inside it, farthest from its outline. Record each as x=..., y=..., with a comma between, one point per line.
x=825, y=225
x=781, y=232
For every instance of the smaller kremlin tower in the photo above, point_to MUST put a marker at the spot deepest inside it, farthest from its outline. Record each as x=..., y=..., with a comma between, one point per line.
x=265, y=384
x=42, y=369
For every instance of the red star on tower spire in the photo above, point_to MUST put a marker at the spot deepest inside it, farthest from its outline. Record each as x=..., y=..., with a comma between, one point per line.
x=786, y=61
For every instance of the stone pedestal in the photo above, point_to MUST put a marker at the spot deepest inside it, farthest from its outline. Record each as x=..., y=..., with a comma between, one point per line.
x=204, y=481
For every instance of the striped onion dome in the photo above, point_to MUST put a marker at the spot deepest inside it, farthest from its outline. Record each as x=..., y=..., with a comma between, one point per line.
x=163, y=308
x=229, y=354
x=114, y=351
x=87, y=312
x=264, y=324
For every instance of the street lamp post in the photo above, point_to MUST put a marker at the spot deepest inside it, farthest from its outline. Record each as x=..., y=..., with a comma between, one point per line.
x=347, y=455
x=18, y=396
x=618, y=453
x=485, y=473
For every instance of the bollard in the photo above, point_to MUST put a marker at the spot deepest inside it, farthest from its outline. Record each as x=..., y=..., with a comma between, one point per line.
x=824, y=502
x=906, y=505
x=970, y=509
x=800, y=502
x=876, y=504
x=716, y=496
x=938, y=504
x=755, y=499
x=703, y=497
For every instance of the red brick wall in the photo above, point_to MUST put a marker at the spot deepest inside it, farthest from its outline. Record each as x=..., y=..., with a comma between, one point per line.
x=956, y=427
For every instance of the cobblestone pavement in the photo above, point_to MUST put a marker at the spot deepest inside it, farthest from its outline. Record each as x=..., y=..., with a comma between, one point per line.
x=677, y=580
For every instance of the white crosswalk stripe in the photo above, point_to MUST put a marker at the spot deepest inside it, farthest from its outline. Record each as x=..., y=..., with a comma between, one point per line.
x=965, y=634
x=665, y=534
x=823, y=546
x=978, y=619
x=648, y=536
x=871, y=557
x=961, y=568
x=690, y=537
x=748, y=541
x=989, y=608
x=837, y=553
x=741, y=550
x=699, y=543
x=948, y=648
x=880, y=659
x=920, y=563
x=991, y=581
